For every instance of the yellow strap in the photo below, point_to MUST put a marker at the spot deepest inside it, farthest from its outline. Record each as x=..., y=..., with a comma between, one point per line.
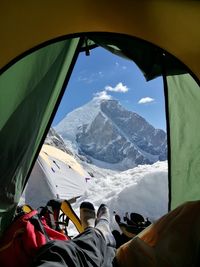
x=26, y=208
x=68, y=211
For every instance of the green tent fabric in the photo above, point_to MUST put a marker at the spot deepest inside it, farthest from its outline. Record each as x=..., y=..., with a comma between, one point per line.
x=184, y=123
x=29, y=91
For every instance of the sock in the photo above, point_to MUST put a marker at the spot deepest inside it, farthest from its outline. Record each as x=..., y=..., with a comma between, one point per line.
x=87, y=215
x=102, y=224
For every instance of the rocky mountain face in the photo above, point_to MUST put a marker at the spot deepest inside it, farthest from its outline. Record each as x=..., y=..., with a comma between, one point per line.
x=105, y=131
x=55, y=140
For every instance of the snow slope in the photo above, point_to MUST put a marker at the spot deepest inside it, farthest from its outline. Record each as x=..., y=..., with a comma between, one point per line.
x=143, y=189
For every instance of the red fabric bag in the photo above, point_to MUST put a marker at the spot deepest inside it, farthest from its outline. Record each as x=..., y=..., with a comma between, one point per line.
x=23, y=238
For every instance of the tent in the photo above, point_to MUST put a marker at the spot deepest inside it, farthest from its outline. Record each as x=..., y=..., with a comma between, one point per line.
x=40, y=42
x=55, y=175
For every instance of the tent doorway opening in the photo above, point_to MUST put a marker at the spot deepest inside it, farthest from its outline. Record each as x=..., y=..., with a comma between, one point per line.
x=113, y=123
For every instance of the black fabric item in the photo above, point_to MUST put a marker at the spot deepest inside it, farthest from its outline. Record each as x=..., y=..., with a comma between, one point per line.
x=147, y=56
x=39, y=226
x=86, y=205
x=88, y=249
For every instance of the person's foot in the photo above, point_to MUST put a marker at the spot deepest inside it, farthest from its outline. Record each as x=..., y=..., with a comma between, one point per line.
x=102, y=224
x=87, y=214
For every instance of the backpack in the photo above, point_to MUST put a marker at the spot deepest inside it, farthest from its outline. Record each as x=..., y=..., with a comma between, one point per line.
x=26, y=234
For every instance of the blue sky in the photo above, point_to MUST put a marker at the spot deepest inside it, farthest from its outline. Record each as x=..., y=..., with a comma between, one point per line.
x=105, y=75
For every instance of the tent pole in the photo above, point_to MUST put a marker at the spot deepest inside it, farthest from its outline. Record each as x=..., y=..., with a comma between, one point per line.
x=163, y=66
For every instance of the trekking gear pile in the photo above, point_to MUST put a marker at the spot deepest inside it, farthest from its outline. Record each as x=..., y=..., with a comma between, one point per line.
x=31, y=229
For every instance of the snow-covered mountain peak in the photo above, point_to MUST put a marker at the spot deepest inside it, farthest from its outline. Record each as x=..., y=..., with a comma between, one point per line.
x=105, y=131
x=75, y=119
x=83, y=115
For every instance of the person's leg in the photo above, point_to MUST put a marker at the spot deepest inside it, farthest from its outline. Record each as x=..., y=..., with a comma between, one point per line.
x=89, y=249
x=103, y=225
x=88, y=216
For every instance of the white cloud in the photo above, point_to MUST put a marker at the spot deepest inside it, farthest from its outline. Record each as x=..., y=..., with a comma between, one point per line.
x=102, y=95
x=82, y=79
x=90, y=78
x=119, y=88
x=146, y=100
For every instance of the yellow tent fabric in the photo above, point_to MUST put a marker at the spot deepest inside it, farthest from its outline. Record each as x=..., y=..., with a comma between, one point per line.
x=171, y=25
x=62, y=156
x=170, y=242
x=55, y=175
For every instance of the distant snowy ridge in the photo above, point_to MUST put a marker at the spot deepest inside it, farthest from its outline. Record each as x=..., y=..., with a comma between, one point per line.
x=104, y=131
x=55, y=140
